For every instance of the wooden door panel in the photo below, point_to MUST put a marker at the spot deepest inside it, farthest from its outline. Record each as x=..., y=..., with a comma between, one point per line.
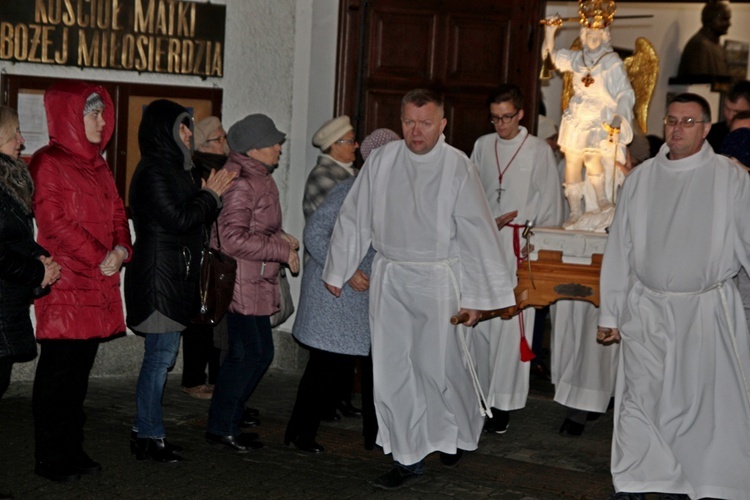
x=383, y=110
x=460, y=48
x=477, y=51
x=402, y=45
x=468, y=119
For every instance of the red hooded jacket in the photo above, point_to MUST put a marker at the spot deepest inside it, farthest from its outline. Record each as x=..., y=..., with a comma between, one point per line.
x=80, y=217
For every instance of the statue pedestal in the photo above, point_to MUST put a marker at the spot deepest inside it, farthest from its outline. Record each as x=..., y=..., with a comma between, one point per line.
x=564, y=265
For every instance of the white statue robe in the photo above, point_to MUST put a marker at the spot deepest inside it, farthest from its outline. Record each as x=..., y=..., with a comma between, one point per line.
x=682, y=414
x=436, y=251
x=583, y=370
x=532, y=186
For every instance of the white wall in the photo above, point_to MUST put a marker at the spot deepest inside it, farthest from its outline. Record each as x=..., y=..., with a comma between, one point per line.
x=279, y=59
x=668, y=30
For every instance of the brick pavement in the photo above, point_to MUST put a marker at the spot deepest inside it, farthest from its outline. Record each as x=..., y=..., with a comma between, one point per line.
x=531, y=461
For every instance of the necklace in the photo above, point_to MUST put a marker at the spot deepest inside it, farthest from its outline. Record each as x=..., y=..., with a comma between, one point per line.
x=501, y=172
x=588, y=79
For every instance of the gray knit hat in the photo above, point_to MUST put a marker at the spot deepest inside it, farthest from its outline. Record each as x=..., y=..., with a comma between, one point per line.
x=93, y=102
x=255, y=131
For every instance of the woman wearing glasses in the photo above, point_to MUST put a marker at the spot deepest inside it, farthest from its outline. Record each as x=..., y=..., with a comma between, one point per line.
x=335, y=138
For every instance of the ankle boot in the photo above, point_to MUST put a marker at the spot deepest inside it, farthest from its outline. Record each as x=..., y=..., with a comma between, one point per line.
x=155, y=449
x=167, y=445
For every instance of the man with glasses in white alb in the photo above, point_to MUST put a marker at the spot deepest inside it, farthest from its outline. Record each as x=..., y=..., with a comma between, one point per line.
x=682, y=399
x=520, y=179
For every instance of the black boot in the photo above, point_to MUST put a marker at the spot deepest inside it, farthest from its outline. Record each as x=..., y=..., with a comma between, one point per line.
x=157, y=450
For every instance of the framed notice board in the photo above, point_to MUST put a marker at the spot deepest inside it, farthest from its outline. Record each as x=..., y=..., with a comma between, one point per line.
x=25, y=94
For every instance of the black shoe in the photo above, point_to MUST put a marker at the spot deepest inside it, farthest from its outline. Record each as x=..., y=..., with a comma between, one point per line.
x=540, y=371
x=157, y=450
x=306, y=445
x=253, y=412
x=369, y=444
x=347, y=409
x=332, y=417
x=249, y=420
x=174, y=448
x=396, y=478
x=85, y=465
x=62, y=472
x=499, y=422
x=241, y=443
x=572, y=428
x=451, y=460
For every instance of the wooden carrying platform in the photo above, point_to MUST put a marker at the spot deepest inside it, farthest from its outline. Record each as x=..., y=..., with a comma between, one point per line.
x=549, y=280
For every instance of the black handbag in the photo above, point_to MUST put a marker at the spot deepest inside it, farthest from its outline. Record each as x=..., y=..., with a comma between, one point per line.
x=218, y=272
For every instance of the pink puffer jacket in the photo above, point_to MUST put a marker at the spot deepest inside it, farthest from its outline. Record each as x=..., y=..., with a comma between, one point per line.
x=250, y=229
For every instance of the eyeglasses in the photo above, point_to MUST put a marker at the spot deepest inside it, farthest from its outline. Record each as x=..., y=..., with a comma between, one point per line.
x=346, y=141
x=688, y=122
x=221, y=139
x=494, y=119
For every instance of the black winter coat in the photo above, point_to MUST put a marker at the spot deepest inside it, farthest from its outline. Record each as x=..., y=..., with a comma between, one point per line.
x=169, y=213
x=20, y=272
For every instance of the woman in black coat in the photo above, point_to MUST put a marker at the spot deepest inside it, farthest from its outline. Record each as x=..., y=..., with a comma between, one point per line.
x=24, y=265
x=169, y=213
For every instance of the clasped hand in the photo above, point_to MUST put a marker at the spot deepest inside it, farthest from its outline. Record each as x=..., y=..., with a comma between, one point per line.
x=607, y=336
x=51, y=271
x=112, y=262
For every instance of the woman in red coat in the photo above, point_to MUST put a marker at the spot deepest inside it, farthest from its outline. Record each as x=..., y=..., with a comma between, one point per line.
x=82, y=223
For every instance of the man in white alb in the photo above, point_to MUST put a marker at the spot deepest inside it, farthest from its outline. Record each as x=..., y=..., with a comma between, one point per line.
x=420, y=203
x=521, y=182
x=682, y=403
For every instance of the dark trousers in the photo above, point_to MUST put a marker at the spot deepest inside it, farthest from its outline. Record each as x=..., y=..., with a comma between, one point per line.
x=6, y=367
x=317, y=392
x=369, y=420
x=537, y=342
x=60, y=386
x=198, y=352
x=249, y=353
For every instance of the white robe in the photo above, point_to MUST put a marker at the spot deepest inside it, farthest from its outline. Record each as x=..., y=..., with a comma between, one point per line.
x=532, y=186
x=682, y=415
x=428, y=220
x=583, y=370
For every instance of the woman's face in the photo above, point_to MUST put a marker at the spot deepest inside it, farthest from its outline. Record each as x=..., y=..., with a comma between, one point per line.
x=269, y=156
x=185, y=135
x=94, y=123
x=14, y=144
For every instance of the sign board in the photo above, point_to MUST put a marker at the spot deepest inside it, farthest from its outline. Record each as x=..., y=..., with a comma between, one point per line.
x=158, y=36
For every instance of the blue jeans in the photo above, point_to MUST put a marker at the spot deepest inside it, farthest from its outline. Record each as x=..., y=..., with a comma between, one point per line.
x=159, y=356
x=249, y=354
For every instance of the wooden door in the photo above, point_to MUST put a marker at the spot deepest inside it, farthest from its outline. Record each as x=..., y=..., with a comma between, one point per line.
x=460, y=48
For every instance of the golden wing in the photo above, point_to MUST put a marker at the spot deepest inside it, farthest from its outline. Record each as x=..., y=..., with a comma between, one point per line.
x=643, y=71
x=567, y=92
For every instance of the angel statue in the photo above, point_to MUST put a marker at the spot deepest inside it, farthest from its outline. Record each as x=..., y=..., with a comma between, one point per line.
x=596, y=123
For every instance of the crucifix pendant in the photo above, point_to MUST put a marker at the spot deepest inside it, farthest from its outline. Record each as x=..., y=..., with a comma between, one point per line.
x=499, y=194
x=587, y=80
